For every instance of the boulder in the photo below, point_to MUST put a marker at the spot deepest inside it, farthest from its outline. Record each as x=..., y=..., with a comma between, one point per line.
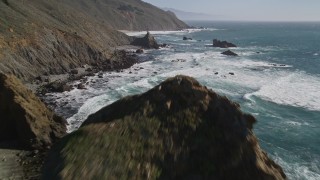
x=186, y=38
x=57, y=86
x=81, y=86
x=177, y=130
x=139, y=51
x=148, y=42
x=222, y=44
x=229, y=53
x=89, y=69
x=24, y=118
x=100, y=75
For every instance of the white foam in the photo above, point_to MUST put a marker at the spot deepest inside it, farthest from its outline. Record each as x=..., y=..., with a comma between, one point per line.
x=181, y=32
x=299, y=171
x=90, y=106
x=295, y=123
x=296, y=89
x=271, y=82
x=141, y=33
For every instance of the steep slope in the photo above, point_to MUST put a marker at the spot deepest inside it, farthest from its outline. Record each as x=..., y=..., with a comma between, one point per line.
x=27, y=130
x=38, y=37
x=24, y=118
x=177, y=130
x=129, y=14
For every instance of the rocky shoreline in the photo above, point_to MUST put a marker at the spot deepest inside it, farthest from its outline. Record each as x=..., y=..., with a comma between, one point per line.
x=19, y=162
x=121, y=59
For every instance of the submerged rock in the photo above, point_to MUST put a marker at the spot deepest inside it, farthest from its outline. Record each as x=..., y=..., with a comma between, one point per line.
x=148, y=41
x=229, y=53
x=186, y=38
x=24, y=118
x=222, y=44
x=177, y=130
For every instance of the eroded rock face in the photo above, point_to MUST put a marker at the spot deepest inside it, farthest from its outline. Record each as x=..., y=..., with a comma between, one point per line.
x=25, y=118
x=177, y=130
x=148, y=41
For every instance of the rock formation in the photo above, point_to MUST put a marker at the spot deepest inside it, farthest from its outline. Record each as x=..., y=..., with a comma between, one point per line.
x=177, y=130
x=229, y=53
x=222, y=44
x=24, y=118
x=148, y=41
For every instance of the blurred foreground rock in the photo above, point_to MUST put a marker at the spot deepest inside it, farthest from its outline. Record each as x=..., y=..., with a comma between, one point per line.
x=177, y=130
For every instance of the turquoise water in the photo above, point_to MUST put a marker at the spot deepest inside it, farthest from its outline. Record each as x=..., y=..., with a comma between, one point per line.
x=276, y=78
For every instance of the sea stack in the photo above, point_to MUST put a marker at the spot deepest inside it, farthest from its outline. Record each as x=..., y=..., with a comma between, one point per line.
x=222, y=44
x=148, y=42
x=177, y=130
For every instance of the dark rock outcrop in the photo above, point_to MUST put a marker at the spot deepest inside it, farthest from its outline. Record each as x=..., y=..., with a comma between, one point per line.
x=186, y=38
x=139, y=51
x=222, y=44
x=177, y=130
x=24, y=118
x=148, y=41
x=81, y=86
x=56, y=86
x=229, y=53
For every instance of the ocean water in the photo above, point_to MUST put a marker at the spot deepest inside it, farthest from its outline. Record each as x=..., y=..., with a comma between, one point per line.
x=276, y=78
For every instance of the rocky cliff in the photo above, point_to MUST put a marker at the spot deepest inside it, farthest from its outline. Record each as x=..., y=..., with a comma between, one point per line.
x=27, y=130
x=38, y=37
x=25, y=119
x=177, y=130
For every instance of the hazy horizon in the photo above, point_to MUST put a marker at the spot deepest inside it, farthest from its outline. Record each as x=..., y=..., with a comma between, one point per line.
x=248, y=10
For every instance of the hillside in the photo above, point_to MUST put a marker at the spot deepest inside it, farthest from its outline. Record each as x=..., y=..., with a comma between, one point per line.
x=177, y=130
x=38, y=37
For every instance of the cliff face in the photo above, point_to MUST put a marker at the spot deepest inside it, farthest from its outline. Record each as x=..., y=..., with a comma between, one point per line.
x=24, y=118
x=38, y=37
x=177, y=130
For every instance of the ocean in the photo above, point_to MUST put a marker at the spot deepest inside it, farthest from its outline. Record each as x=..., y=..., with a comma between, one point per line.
x=276, y=77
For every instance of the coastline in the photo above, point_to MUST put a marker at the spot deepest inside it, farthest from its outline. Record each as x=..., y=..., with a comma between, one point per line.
x=55, y=82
